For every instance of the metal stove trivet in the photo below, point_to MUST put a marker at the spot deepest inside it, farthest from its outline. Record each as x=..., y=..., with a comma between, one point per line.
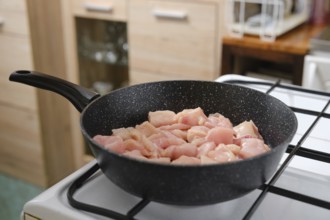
x=292, y=150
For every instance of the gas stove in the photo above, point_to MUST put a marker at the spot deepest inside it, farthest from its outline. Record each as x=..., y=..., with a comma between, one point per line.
x=298, y=190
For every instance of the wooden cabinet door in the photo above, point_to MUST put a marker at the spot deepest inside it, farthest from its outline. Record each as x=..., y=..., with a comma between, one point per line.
x=173, y=40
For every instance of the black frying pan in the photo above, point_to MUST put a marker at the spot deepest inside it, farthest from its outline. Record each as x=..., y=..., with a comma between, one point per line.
x=177, y=184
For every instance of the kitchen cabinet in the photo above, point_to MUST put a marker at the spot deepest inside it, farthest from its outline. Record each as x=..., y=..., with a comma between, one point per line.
x=20, y=136
x=40, y=132
x=101, y=9
x=173, y=40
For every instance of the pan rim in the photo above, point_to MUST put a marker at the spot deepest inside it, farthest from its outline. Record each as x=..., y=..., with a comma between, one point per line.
x=191, y=166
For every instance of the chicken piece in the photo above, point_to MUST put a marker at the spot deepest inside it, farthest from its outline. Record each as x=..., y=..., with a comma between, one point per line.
x=164, y=139
x=221, y=135
x=180, y=134
x=191, y=117
x=196, y=132
x=247, y=129
x=175, y=126
x=168, y=152
x=252, y=147
x=186, y=149
x=206, y=160
x=205, y=148
x=124, y=133
x=185, y=160
x=153, y=150
x=161, y=118
x=222, y=154
x=135, y=154
x=165, y=160
x=102, y=139
x=131, y=145
x=233, y=148
x=146, y=128
x=113, y=143
x=135, y=134
x=218, y=120
x=199, y=141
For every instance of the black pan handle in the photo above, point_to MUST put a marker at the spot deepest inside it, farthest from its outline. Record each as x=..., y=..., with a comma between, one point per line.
x=79, y=96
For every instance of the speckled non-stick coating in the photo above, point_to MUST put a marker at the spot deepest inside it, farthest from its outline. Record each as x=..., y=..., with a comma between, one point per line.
x=189, y=185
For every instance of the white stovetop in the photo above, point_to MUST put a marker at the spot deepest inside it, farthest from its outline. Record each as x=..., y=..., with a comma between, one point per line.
x=303, y=176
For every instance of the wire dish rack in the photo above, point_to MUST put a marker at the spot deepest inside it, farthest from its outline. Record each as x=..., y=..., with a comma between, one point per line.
x=274, y=18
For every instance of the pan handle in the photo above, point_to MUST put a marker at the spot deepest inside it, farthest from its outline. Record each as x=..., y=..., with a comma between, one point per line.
x=79, y=96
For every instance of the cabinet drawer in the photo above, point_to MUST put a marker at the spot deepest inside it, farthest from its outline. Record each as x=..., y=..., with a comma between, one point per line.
x=15, y=53
x=174, y=37
x=101, y=9
x=13, y=17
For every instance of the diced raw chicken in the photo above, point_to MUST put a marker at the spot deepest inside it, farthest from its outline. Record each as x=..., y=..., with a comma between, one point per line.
x=161, y=118
x=233, y=148
x=113, y=143
x=136, y=134
x=185, y=160
x=252, y=147
x=180, y=133
x=205, y=148
x=175, y=126
x=192, y=117
x=150, y=147
x=196, y=132
x=168, y=152
x=188, y=137
x=124, y=133
x=146, y=128
x=135, y=154
x=199, y=141
x=206, y=160
x=131, y=145
x=220, y=135
x=101, y=139
x=164, y=139
x=165, y=160
x=247, y=129
x=222, y=154
x=186, y=149
x=218, y=120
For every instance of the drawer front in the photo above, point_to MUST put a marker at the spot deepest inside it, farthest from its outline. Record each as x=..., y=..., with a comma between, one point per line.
x=171, y=38
x=101, y=9
x=13, y=17
x=15, y=53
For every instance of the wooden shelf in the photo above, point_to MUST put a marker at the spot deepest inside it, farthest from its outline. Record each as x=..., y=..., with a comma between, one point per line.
x=289, y=48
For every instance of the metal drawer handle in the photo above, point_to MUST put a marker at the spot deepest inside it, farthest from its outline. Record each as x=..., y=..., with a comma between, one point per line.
x=173, y=14
x=93, y=6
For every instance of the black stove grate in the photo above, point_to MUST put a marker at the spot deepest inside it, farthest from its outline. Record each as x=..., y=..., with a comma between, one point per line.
x=292, y=150
x=269, y=187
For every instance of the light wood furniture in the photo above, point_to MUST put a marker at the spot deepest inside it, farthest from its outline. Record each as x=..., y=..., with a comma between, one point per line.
x=40, y=133
x=289, y=49
x=20, y=135
x=173, y=40
x=115, y=10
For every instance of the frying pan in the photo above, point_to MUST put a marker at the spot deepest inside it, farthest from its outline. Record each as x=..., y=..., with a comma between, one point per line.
x=177, y=184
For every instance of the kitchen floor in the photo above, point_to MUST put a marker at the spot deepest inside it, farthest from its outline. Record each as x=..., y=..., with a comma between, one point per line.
x=14, y=193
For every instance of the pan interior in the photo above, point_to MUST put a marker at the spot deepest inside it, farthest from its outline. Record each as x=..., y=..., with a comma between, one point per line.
x=130, y=106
